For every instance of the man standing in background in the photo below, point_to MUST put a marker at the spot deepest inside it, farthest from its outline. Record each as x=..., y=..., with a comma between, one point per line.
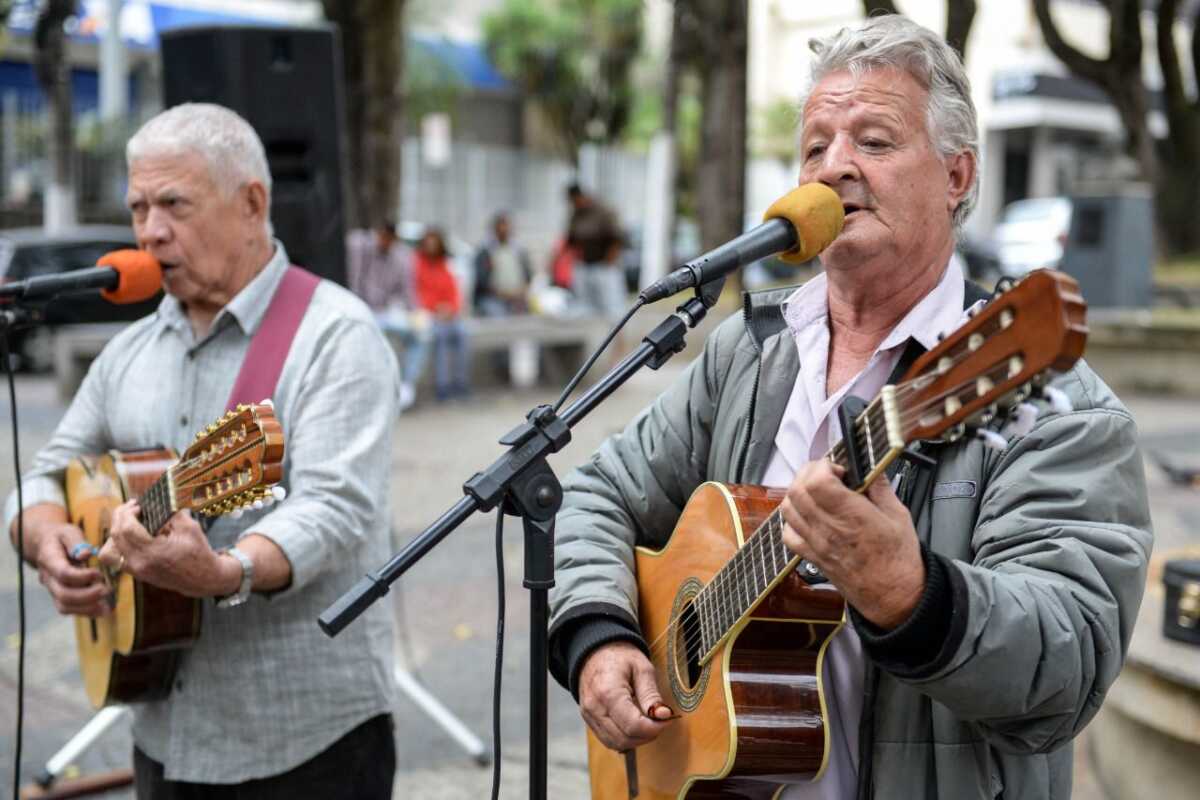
x=379, y=270
x=594, y=234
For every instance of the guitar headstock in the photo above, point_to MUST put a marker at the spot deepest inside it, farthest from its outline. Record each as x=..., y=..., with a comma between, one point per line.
x=1001, y=356
x=233, y=464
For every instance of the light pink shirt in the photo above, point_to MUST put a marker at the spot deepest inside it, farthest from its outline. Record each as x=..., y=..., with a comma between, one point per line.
x=808, y=430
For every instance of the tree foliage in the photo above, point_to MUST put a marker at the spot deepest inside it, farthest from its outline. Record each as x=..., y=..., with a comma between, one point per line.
x=572, y=58
x=1172, y=165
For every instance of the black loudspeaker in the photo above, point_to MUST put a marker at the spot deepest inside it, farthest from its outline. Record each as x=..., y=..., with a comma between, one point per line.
x=287, y=83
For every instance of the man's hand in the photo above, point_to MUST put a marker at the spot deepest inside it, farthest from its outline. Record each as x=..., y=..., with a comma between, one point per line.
x=76, y=588
x=180, y=558
x=617, y=692
x=866, y=545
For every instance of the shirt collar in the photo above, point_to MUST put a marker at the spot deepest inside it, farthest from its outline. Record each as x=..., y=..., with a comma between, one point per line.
x=247, y=307
x=938, y=312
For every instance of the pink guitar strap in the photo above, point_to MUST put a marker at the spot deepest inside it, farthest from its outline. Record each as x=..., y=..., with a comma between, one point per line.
x=268, y=350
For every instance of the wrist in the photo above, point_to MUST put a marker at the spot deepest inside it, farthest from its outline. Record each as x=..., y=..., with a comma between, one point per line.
x=228, y=574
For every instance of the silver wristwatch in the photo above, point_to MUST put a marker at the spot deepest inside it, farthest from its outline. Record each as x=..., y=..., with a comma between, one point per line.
x=243, y=590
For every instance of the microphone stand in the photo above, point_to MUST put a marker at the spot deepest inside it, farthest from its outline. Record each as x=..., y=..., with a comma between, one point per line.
x=524, y=484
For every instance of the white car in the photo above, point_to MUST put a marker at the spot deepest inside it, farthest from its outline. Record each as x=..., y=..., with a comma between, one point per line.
x=1031, y=234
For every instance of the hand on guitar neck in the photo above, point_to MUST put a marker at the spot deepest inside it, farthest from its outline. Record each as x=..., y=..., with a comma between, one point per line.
x=864, y=543
x=181, y=559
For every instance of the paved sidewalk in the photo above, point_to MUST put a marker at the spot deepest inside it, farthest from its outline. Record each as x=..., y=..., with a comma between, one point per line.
x=448, y=600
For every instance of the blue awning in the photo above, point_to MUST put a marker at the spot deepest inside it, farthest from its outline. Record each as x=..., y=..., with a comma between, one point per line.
x=466, y=63
x=141, y=20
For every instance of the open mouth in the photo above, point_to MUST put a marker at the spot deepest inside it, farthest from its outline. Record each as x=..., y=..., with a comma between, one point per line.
x=851, y=208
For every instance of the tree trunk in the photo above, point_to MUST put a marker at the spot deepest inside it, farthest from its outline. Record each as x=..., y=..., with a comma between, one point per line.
x=1171, y=166
x=373, y=41
x=960, y=16
x=721, y=179
x=54, y=75
x=873, y=7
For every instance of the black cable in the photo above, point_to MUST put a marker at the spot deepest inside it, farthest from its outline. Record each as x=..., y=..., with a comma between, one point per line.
x=12, y=399
x=592, y=360
x=496, y=680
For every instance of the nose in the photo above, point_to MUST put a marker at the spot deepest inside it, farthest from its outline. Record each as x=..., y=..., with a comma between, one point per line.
x=836, y=163
x=154, y=230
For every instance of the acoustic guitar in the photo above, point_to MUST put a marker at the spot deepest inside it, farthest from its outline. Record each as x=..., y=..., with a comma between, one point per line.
x=738, y=625
x=131, y=654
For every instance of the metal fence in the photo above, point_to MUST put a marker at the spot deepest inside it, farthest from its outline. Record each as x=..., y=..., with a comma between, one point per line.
x=461, y=193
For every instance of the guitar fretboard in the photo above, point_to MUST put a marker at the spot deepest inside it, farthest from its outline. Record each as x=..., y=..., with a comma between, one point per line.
x=156, y=504
x=744, y=580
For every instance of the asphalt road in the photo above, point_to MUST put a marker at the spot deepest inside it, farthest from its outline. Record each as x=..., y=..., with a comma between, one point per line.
x=447, y=601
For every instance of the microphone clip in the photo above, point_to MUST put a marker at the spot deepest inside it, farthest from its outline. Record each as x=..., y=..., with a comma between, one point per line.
x=14, y=317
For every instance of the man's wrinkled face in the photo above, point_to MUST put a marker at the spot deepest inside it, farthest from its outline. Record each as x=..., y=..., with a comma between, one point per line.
x=867, y=139
x=196, y=231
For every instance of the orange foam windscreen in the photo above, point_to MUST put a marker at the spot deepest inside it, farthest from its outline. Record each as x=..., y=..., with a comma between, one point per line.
x=140, y=276
x=817, y=214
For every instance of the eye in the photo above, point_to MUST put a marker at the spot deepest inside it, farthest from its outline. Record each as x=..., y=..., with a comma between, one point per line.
x=874, y=144
x=814, y=151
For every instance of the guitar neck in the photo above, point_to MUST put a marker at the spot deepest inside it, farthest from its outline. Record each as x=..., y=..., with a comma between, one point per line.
x=765, y=560
x=157, y=504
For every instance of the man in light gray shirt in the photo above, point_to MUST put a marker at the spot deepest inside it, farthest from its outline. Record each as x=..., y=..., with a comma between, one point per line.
x=263, y=705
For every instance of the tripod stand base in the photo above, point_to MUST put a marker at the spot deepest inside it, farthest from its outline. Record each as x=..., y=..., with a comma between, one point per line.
x=433, y=708
x=79, y=787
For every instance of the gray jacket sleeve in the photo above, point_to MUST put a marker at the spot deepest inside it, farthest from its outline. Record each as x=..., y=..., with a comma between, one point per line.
x=631, y=493
x=1043, y=615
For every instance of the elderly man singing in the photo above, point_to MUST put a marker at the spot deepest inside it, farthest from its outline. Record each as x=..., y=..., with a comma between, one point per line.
x=263, y=705
x=990, y=602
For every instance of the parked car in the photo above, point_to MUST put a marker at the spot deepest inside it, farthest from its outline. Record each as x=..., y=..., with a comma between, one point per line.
x=1031, y=235
x=31, y=252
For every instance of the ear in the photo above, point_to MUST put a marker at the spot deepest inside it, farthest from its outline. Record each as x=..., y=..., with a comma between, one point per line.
x=960, y=174
x=253, y=196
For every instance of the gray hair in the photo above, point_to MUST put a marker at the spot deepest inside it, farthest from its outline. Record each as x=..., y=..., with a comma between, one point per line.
x=893, y=40
x=232, y=149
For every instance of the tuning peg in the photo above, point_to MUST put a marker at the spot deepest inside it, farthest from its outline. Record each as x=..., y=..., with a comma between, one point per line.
x=1021, y=420
x=257, y=505
x=1059, y=402
x=953, y=434
x=237, y=513
x=991, y=440
x=268, y=402
x=279, y=492
x=241, y=407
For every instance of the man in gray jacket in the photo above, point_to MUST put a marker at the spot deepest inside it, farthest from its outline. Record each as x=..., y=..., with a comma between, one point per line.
x=991, y=599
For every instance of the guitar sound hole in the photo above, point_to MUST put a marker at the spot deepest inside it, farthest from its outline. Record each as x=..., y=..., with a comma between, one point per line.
x=691, y=643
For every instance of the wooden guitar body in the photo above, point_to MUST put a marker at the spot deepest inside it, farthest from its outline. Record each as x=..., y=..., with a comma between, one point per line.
x=131, y=654
x=752, y=718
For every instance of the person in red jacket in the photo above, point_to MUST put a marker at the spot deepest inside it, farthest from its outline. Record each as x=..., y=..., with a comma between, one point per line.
x=437, y=292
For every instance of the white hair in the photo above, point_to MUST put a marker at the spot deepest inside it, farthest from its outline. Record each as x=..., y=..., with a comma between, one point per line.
x=232, y=150
x=893, y=40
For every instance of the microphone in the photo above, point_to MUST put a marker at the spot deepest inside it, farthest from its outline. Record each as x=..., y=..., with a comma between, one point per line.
x=124, y=276
x=798, y=225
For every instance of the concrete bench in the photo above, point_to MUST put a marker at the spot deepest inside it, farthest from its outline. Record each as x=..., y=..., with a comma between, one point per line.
x=564, y=343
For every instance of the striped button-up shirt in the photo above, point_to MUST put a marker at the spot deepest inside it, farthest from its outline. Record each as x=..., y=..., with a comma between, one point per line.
x=263, y=690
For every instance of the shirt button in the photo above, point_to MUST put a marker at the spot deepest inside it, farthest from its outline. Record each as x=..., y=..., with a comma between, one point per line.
x=183, y=420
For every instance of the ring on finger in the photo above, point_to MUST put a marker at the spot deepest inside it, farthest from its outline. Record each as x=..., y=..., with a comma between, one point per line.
x=121, y=563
